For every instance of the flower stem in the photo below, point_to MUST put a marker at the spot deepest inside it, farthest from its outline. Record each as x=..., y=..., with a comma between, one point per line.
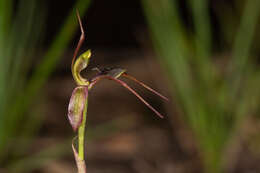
x=81, y=133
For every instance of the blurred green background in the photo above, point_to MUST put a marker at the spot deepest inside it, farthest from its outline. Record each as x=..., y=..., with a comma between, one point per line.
x=203, y=55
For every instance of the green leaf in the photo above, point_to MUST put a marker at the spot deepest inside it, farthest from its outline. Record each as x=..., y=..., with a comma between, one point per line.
x=77, y=104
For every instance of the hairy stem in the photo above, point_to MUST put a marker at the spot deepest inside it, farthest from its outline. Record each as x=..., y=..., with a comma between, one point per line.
x=81, y=133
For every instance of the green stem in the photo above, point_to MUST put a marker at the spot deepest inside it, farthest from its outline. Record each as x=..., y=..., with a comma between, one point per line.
x=81, y=133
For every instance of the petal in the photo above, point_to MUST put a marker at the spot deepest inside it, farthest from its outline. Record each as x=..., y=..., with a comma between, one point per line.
x=76, y=106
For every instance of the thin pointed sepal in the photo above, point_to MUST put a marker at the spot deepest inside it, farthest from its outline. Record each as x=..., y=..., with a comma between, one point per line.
x=145, y=86
x=98, y=78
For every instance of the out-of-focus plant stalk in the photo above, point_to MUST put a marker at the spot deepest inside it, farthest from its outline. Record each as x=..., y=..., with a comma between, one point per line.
x=202, y=36
x=242, y=44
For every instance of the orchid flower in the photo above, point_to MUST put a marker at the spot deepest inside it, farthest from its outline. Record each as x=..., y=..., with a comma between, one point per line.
x=77, y=110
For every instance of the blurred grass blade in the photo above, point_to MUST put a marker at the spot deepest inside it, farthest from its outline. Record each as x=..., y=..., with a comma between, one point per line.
x=202, y=100
x=6, y=10
x=201, y=17
x=18, y=37
x=50, y=59
x=13, y=55
x=52, y=56
x=242, y=44
x=165, y=25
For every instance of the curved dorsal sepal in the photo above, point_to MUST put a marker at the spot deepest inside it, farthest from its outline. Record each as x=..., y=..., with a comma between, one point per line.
x=80, y=64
